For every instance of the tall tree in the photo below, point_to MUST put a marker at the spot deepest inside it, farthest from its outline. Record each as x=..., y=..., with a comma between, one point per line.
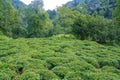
x=10, y=21
x=1, y=17
x=39, y=24
x=64, y=20
x=117, y=13
x=117, y=22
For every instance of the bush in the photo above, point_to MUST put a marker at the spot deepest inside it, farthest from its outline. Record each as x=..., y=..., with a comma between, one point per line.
x=108, y=62
x=1, y=33
x=96, y=28
x=68, y=36
x=4, y=76
x=29, y=76
x=91, y=61
x=108, y=76
x=47, y=75
x=111, y=69
x=73, y=76
x=80, y=66
x=56, y=61
x=3, y=38
x=60, y=71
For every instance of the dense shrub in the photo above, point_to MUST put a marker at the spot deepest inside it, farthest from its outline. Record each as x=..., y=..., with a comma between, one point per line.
x=92, y=61
x=60, y=71
x=4, y=76
x=58, y=58
x=96, y=28
x=108, y=62
x=47, y=75
x=110, y=69
x=108, y=76
x=29, y=76
x=80, y=66
x=73, y=76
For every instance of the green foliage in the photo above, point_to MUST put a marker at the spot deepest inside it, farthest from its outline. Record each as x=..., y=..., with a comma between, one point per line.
x=64, y=19
x=10, y=22
x=33, y=17
x=35, y=20
x=57, y=58
x=29, y=76
x=108, y=62
x=96, y=28
x=65, y=36
x=80, y=27
x=38, y=22
x=94, y=7
x=117, y=15
x=117, y=21
x=60, y=57
x=39, y=25
x=92, y=61
x=4, y=76
x=73, y=76
x=60, y=71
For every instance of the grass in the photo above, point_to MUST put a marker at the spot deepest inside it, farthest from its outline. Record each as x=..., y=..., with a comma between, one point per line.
x=57, y=58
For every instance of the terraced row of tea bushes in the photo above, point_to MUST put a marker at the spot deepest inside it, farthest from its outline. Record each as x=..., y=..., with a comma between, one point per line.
x=57, y=58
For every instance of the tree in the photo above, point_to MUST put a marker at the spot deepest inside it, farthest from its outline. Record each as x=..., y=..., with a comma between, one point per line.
x=96, y=28
x=1, y=17
x=39, y=25
x=117, y=22
x=117, y=13
x=64, y=19
x=10, y=21
x=80, y=27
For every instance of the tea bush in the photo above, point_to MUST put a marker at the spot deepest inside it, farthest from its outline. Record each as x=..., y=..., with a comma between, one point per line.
x=60, y=57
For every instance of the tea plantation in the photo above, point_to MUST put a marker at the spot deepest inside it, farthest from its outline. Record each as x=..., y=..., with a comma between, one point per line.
x=57, y=58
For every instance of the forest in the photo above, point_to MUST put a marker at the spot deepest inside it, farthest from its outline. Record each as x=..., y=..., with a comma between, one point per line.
x=79, y=40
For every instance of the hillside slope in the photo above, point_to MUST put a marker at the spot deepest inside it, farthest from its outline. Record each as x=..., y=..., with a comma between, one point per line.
x=57, y=58
x=94, y=7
